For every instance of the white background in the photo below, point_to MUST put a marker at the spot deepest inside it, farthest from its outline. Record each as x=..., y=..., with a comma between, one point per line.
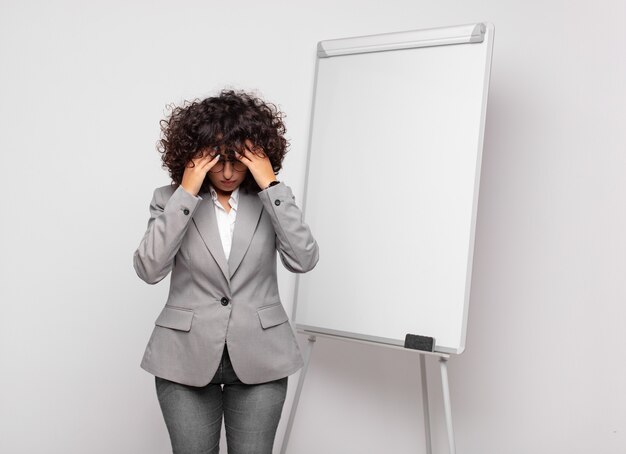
x=82, y=88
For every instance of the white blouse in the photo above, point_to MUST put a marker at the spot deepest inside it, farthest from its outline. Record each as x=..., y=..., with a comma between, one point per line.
x=226, y=221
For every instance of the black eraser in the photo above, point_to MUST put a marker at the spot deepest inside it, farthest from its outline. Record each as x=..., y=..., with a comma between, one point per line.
x=416, y=342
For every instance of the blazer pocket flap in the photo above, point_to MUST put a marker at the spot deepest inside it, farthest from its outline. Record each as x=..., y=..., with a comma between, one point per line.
x=272, y=315
x=175, y=318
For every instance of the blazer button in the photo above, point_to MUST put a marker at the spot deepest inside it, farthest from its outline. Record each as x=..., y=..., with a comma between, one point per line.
x=225, y=301
x=276, y=202
x=186, y=211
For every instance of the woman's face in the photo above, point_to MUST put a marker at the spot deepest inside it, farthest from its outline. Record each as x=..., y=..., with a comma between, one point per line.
x=228, y=173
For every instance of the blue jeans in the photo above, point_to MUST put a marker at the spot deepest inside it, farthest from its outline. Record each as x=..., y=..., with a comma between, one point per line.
x=193, y=415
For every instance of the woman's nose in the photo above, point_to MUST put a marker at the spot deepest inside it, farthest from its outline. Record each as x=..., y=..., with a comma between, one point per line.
x=228, y=169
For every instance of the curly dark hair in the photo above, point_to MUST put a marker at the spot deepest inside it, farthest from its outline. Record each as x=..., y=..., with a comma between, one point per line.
x=227, y=119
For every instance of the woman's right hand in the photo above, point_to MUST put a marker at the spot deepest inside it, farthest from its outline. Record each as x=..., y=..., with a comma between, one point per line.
x=194, y=174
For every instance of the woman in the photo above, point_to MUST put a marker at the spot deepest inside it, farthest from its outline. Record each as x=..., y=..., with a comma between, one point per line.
x=223, y=344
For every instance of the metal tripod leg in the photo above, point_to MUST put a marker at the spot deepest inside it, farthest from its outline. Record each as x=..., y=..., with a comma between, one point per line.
x=443, y=362
x=296, y=399
x=429, y=447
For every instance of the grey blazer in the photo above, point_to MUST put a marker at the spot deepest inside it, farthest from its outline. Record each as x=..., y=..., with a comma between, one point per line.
x=212, y=301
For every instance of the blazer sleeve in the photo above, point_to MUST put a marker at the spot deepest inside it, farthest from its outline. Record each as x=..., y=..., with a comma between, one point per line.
x=296, y=246
x=168, y=223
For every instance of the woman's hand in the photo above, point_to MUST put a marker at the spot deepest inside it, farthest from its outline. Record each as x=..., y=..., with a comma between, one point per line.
x=193, y=177
x=258, y=163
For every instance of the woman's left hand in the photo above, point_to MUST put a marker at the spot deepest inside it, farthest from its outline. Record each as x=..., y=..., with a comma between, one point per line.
x=258, y=163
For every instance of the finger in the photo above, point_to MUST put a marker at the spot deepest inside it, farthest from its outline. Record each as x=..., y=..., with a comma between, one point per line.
x=209, y=163
x=253, y=149
x=248, y=144
x=245, y=157
x=210, y=153
x=243, y=160
x=201, y=158
x=256, y=154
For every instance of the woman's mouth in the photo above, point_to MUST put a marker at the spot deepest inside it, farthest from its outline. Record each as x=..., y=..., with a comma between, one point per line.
x=228, y=183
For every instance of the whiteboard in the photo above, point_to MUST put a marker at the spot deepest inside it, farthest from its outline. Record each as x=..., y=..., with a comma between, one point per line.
x=392, y=184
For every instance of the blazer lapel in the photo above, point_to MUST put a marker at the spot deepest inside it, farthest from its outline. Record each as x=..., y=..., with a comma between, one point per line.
x=249, y=209
x=206, y=222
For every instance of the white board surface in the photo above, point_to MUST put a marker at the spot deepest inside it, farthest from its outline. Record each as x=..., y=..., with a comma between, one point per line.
x=392, y=189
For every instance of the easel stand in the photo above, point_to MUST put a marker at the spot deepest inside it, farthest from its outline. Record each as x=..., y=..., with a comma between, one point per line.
x=443, y=363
